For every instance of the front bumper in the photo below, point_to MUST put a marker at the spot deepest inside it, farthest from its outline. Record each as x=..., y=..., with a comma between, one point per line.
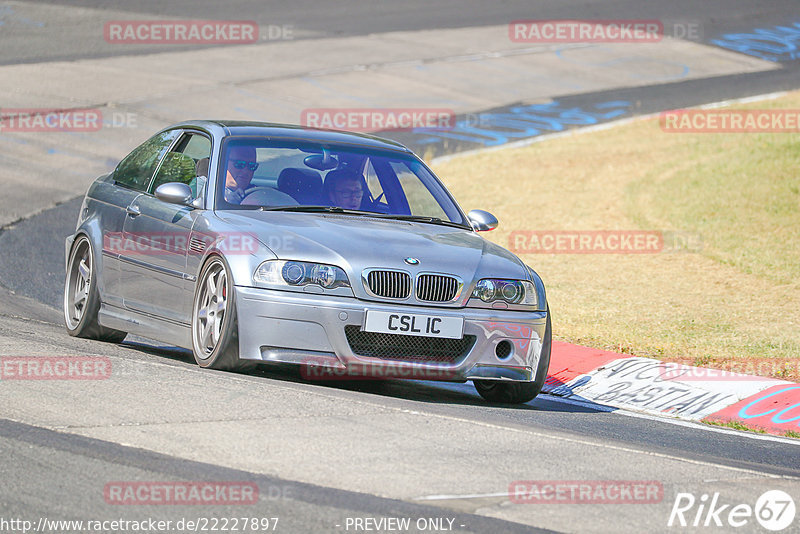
x=309, y=329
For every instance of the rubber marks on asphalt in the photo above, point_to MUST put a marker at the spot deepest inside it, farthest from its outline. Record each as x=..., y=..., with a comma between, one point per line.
x=668, y=389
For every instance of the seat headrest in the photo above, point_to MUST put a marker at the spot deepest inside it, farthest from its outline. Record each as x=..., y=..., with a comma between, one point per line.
x=304, y=185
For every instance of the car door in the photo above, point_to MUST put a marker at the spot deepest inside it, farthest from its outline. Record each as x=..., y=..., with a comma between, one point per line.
x=128, y=181
x=157, y=283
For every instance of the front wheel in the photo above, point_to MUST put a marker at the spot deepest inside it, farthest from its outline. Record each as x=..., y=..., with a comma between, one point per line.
x=81, y=298
x=215, y=331
x=519, y=392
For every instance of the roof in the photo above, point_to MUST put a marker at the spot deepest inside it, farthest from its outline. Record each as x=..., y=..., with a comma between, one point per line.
x=293, y=131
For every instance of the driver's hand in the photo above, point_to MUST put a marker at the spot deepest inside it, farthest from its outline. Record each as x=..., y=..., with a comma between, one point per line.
x=234, y=196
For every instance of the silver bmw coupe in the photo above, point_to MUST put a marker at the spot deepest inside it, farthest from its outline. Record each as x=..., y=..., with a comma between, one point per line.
x=342, y=253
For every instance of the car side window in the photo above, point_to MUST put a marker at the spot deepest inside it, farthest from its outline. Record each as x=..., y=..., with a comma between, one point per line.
x=187, y=163
x=137, y=168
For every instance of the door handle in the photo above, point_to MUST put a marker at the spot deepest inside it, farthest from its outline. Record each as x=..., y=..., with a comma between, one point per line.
x=133, y=211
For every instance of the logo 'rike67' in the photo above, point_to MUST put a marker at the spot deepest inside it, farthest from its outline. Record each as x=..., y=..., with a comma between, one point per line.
x=774, y=510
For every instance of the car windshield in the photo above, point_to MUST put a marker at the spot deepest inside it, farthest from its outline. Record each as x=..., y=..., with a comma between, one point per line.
x=302, y=176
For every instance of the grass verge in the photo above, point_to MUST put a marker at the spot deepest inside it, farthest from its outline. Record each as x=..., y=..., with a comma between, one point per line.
x=731, y=303
x=735, y=425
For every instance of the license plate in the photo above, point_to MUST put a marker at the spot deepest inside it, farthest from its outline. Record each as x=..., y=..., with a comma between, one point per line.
x=414, y=324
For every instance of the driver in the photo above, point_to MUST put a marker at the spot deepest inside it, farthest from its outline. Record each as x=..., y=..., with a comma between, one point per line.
x=241, y=166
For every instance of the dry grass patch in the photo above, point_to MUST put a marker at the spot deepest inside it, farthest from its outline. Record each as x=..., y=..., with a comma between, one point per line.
x=735, y=304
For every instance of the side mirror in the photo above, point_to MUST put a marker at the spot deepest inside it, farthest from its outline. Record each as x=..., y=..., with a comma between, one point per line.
x=482, y=221
x=174, y=193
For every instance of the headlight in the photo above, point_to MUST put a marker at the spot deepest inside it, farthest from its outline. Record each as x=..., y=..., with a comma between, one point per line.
x=485, y=290
x=509, y=291
x=293, y=273
x=300, y=273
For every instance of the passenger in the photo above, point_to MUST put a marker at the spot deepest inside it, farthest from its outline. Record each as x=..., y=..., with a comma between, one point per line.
x=343, y=187
x=241, y=166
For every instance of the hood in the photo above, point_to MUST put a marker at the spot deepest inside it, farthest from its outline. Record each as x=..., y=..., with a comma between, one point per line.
x=355, y=243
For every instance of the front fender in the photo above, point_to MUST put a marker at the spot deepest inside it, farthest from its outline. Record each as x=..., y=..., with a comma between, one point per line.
x=241, y=251
x=67, y=249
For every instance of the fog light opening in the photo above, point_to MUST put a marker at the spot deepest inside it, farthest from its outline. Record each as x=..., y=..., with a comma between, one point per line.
x=503, y=349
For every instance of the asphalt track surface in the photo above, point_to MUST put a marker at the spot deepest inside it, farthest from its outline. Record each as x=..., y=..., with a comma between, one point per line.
x=55, y=464
x=313, y=18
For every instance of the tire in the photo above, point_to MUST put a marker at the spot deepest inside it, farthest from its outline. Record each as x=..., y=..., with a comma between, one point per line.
x=81, y=298
x=215, y=329
x=519, y=392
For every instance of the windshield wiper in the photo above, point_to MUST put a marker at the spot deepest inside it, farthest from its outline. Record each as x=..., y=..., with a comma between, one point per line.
x=377, y=215
x=316, y=209
x=424, y=219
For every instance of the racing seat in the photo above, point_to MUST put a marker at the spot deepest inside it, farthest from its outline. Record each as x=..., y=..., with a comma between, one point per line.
x=303, y=185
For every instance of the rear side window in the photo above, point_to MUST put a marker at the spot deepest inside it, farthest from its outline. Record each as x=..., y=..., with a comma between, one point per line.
x=137, y=168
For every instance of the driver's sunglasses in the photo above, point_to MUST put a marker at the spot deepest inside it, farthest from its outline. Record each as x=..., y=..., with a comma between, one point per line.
x=241, y=164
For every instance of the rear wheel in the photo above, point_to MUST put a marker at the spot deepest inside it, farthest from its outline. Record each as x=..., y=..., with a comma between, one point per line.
x=215, y=331
x=519, y=392
x=81, y=298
